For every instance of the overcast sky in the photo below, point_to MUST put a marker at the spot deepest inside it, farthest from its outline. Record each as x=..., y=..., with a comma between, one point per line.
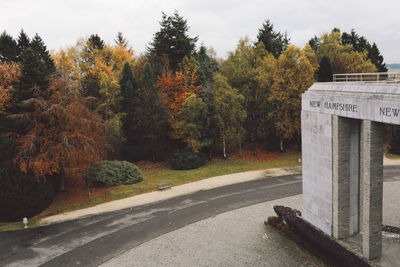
x=219, y=24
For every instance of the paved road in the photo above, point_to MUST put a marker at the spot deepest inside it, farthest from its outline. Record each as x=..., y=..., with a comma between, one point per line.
x=92, y=241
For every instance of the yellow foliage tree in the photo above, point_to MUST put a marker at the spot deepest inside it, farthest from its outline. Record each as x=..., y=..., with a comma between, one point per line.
x=98, y=72
x=343, y=58
x=66, y=68
x=8, y=74
x=293, y=73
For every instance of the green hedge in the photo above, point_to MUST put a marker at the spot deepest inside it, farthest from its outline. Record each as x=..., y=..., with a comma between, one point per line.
x=21, y=195
x=187, y=159
x=114, y=172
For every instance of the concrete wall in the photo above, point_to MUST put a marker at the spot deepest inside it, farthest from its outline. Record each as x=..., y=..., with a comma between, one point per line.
x=317, y=169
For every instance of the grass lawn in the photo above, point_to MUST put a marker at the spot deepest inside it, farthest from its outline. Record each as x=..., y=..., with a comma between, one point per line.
x=392, y=156
x=158, y=173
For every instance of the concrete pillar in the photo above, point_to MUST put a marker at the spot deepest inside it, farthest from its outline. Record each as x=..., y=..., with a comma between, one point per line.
x=346, y=140
x=354, y=175
x=316, y=135
x=372, y=187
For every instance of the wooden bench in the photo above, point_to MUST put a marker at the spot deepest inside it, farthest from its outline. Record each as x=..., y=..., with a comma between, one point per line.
x=164, y=186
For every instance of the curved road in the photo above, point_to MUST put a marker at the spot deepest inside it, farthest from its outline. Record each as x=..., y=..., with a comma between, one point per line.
x=94, y=240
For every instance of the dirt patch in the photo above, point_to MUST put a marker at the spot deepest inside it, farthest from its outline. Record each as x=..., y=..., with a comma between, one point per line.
x=153, y=166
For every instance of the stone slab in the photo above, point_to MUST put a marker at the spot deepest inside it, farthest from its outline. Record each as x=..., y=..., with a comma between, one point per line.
x=374, y=102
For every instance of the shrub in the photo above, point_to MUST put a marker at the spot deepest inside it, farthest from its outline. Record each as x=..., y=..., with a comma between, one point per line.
x=187, y=159
x=21, y=195
x=114, y=172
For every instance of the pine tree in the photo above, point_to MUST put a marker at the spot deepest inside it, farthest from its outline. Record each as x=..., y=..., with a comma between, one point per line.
x=37, y=45
x=8, y=48
x=36, y=68
x=208, y=66
x=360, y=43
x=172, y=40
x=120, y=40
x=95, y=42
x=145, y=123
x=357, y=43
x=314, y=43
x=129, y=88
x=375, y=56
x=23, y=43
x=324, y=72
x=153, y=117
x=274, y=42
x=33, y=77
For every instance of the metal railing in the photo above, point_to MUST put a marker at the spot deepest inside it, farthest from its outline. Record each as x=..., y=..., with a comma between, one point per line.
x=373, y=77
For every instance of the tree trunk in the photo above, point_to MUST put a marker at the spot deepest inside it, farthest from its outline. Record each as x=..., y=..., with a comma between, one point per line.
x=281, y=145
x=87, y=186
x=62, y=182
x=240, y=148
x=153, y=154
x=254, y=146
x=223, y=147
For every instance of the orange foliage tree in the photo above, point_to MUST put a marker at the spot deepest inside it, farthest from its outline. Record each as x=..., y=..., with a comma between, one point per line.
x=65, y=136
x=176, y=88
x=8, y=74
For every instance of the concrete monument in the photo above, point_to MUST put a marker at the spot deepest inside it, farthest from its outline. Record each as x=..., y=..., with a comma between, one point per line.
x=342, y=148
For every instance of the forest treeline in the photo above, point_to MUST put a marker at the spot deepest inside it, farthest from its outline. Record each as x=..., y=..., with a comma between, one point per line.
x=62, y=111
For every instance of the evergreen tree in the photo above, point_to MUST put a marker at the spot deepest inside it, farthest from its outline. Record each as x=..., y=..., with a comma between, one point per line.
x=37, y=45
x=274, y=42
x=375, y=56
x=154, y=116
x=314, y=43
x=172, y=40
x=120, y=40
x=128, y=85
x=324, y=72
x=360, y=43
x=8, y=48
x=357, y=43
x=33, y=77
x=23, y=43
x=207, y=67
x=145, y=123
x=36, y=68
x=95, y=42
